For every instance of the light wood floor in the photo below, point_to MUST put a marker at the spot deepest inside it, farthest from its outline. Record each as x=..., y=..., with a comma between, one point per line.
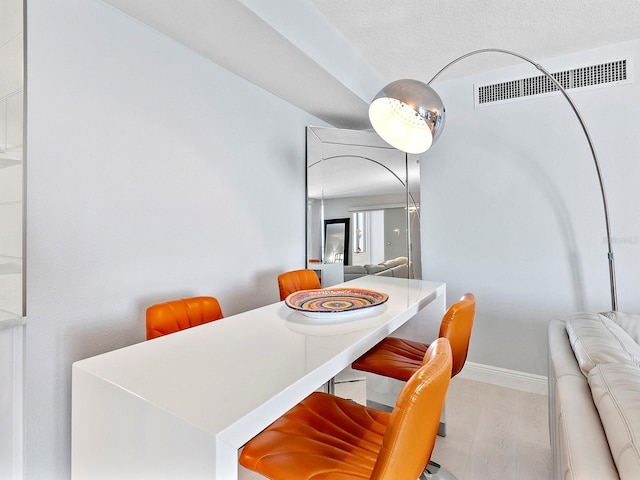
x=494, y=433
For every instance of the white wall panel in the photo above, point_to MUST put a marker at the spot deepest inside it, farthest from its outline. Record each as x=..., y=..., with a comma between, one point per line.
x=153, y=174
x=11, y=221
x=10, y=20
x=11, y=66
x=11, y=374
x=11, y=231
x=11, y=182
x=15, y=121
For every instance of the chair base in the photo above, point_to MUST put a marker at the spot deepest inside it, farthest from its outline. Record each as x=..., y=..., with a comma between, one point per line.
x=435, y=471
x=330, y=386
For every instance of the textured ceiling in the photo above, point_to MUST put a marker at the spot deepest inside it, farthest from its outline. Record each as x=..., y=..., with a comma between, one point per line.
x=415, y=38
x=331, y=60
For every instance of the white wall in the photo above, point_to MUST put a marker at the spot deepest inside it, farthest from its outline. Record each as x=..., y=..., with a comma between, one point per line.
x=152, y=174
x=511, y=207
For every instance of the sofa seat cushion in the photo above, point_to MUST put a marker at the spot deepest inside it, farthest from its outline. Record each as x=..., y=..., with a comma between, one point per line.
x=616, y=393
x=596, y=339
x=355, y=269
x=397, y=267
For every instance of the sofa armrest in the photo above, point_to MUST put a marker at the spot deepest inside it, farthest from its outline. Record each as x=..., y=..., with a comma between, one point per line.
x=579, y=445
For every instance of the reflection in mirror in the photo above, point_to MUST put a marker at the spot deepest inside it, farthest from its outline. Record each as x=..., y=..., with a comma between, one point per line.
x=360, y=234
x=12, y=170
x=355, y=175
x=336, y=241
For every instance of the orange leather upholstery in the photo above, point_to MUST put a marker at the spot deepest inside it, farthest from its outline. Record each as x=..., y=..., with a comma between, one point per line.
x=170, y=317
x=297, y=280
x=326, y=437
x=398, y=358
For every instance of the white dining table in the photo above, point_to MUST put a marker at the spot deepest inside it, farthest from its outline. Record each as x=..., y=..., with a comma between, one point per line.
x=182, y=405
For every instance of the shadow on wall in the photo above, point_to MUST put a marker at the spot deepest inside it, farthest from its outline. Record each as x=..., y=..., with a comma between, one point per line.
x=264, y=291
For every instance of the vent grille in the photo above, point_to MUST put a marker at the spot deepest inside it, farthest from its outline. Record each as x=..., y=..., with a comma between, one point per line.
x=604, y=74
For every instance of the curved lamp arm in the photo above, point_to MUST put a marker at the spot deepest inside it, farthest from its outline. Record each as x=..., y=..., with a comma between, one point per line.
x=433, y=120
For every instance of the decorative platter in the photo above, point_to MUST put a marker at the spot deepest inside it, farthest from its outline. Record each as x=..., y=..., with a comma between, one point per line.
x=332, y=302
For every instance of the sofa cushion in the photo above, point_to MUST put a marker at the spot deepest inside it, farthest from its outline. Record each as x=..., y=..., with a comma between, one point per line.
x=375, y=268
x=355, y=270
x=597, y=339
x=630, y=323
x=401, y=271
x=395, y=262
x=616, y=393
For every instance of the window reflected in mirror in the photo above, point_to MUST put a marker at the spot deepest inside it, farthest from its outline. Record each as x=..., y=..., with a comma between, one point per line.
x=359, y=233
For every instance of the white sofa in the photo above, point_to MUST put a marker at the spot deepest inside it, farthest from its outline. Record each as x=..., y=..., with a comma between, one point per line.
x=594, y=396
x=397, y=267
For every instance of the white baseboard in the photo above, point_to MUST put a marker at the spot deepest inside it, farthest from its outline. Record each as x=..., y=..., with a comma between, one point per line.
x=526, y=382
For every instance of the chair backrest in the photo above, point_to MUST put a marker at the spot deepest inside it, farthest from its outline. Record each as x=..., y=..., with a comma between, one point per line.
x=413, y=426
x=297, y=280
x=170, y=317
x=456, y=327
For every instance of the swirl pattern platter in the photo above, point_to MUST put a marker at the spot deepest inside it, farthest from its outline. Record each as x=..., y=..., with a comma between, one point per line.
x=332, y=302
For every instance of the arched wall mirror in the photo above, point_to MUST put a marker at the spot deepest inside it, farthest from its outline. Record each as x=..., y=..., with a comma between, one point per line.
x=363, y=214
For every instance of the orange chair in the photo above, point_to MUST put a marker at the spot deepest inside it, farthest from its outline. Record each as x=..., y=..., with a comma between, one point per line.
x=330, y=437
x=170, y=317
x=399, y=358
x=297, y=280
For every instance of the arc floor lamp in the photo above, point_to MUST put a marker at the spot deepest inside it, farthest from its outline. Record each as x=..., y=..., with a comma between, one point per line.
x=409, y=115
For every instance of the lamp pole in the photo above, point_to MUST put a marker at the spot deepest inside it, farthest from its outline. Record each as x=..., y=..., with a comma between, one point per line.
x=612, y=271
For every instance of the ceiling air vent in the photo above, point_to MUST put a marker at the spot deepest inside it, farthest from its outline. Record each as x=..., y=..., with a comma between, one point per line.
x=605, y=74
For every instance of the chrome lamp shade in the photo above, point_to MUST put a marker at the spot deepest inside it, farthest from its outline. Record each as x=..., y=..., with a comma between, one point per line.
x=408, y=115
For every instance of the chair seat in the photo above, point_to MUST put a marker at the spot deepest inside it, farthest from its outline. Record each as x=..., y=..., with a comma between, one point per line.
x=393, y=357
x=330, y=438
x=321, y=435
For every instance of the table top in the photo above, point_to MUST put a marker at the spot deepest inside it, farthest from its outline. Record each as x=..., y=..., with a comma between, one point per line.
x=234, y=376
